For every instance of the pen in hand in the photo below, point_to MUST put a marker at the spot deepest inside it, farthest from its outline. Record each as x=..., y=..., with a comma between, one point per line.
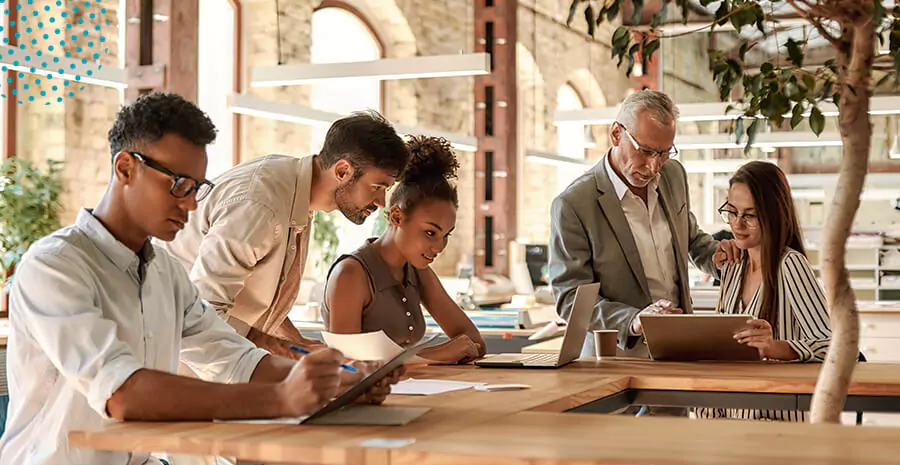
x=303, y=351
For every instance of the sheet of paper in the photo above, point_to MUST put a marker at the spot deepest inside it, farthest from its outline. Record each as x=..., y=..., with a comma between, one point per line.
x=364, y=346
x=427, y=387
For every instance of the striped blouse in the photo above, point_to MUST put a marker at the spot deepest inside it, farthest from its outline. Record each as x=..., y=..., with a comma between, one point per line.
x=801, y=319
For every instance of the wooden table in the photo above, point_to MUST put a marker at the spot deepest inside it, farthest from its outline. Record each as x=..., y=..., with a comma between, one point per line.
x=527, y=426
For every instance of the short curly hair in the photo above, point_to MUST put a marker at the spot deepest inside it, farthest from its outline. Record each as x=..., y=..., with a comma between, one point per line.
x=152, y=116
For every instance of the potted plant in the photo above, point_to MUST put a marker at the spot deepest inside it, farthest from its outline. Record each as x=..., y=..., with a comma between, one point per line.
x=29, y=209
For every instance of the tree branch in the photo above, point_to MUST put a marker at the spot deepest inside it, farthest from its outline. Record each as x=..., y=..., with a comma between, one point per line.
x=815, y=22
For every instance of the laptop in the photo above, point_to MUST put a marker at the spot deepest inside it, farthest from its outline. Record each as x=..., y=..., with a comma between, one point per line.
x=694, y=338
x=579, y=322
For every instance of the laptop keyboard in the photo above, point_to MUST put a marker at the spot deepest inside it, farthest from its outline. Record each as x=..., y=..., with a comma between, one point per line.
x=540, y=359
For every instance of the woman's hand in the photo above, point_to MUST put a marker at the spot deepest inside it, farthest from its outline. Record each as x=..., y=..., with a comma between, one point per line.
x=759, y=334
x=460, y=349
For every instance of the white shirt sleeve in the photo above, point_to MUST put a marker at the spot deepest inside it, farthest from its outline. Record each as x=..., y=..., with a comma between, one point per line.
x=212, y=348
x=53, y=300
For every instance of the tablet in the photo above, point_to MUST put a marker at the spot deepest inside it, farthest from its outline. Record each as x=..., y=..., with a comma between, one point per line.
x=366, y=383
x=691, y=338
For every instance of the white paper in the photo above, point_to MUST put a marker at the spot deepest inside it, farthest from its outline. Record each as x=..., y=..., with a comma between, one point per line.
x=427, y=387
x=364, y=346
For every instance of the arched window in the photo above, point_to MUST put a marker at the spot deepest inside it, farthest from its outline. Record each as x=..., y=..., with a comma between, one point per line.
x=339, y=36
x=570, y=138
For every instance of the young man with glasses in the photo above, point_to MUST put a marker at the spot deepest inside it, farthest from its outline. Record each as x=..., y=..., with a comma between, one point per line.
x=100, y=317
x=627, y=224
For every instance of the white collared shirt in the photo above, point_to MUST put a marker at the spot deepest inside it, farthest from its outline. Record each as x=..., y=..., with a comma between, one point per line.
x=86, y=313
x=652, y=236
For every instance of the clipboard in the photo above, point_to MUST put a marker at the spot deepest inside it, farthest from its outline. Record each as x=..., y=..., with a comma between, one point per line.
x=366, y=383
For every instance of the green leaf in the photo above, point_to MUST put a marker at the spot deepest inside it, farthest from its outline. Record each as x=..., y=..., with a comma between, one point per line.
x=810, y=83
x=638, y=9
x=620, y=33
x=660, y=16
x=589, y=17
x=795, y=53
x=793, y=91
x=751, y=134
x=739, y=130
x=877, y=12
x=796, y=115
x=573, y=8
x=766, y=68
x=837, y=100
x=816, y=121
x=722, y=12
x=612, y=11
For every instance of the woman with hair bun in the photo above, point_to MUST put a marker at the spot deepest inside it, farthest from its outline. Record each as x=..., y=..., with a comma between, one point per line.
x=381, y=285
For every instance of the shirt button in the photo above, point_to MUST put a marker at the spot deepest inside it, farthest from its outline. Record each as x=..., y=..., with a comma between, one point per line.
x=411, y=328
x=403, y=300
x=282, y=278
x=293, y=247
x=408, y=314
x=293, y=223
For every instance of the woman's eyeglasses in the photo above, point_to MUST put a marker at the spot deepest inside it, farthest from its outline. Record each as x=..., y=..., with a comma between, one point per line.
x=731, y=217
x=182, y=186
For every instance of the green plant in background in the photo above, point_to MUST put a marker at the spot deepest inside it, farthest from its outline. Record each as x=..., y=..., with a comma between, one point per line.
x=380, y=225
x=29, y=208
x=325, y=236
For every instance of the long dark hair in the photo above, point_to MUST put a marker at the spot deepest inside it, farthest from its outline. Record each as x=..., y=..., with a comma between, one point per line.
x=778, y=223
x=428, y=176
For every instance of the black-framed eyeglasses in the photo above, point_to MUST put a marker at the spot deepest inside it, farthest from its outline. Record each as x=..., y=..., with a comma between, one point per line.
x=731, y=217
x=672, y=152
x=182, y=186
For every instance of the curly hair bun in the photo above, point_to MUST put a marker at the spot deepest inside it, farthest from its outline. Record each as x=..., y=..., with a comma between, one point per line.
x=431, y=158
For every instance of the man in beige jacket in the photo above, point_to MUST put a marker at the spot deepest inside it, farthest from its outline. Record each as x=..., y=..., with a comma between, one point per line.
x=245, y=246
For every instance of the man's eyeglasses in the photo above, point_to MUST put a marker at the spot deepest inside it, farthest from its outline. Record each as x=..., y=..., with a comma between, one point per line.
x=731, y=217
x=672, y=152
x=182, y=186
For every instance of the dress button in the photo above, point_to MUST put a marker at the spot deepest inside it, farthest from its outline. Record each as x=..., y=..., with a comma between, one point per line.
x=408, y=313
x=403, y=300
x=411, y=328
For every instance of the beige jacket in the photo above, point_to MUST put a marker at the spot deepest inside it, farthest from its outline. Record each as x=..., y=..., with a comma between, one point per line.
x=239, y=244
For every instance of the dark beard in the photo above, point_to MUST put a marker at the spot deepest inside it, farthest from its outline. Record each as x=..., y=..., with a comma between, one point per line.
x=350, y=211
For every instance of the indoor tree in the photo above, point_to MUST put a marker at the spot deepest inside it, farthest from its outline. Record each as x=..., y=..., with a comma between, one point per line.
x=788, y=90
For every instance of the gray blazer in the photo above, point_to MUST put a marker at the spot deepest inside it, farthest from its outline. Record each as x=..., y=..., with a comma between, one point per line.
x=591, y=241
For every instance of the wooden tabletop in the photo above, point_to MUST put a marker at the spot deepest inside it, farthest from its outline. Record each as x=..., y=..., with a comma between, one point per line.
x=527, y=427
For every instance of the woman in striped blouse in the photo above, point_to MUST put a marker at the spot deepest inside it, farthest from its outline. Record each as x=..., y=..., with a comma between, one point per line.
x=773, y=283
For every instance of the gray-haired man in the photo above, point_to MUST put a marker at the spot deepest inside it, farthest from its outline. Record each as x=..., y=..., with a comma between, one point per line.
x=627, y=224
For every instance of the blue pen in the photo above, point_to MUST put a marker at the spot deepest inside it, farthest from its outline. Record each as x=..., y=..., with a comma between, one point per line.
x=306, y=352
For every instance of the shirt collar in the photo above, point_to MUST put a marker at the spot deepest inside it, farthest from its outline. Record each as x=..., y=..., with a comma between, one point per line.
x=117, y=252
x=617, y=182
x=300, y=213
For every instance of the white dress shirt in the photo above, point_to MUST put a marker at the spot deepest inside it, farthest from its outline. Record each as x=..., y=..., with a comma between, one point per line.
x=86, y=313
x=652, y=237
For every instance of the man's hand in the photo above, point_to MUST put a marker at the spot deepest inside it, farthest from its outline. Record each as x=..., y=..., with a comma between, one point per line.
x=312, y=383
x=378, y=393
x=727, y=251
x=660, y=307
